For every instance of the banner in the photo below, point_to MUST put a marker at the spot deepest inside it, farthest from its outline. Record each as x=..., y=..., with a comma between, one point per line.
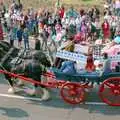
x=71, y=56
x=114, y=60
x=81, y=49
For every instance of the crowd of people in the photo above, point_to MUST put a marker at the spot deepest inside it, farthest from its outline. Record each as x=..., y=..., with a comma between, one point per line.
x=84, y=26
x=56, y=26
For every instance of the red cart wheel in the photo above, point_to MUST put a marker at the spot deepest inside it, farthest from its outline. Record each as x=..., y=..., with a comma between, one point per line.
x=72, y=93
x=110, y=91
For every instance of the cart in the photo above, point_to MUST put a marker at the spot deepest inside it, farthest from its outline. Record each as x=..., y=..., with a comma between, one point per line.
x=73, y=91
x=72, y=87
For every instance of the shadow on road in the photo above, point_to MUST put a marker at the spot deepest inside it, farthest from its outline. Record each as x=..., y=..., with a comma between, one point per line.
x=56, y=103
x=102, y=109
x=13, y=112
x=3, y=80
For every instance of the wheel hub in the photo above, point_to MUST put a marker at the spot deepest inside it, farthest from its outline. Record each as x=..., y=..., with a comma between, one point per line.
x=73, y=92
x=116, y=92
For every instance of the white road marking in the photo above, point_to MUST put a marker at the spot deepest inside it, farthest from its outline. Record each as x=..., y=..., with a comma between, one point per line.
x=95, y=103
x=20, y=97
x=38, y=99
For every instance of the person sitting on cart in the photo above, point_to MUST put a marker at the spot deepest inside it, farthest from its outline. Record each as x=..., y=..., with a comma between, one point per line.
x=90, y=67
x=106, y=69
x=68, y=67
x=117, y=68
x=116, y=40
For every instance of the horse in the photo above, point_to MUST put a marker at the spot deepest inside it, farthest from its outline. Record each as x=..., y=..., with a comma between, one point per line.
x=31, y=66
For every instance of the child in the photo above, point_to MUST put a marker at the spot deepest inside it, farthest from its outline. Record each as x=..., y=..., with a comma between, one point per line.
x=26, y=38
x=90, y=67
x=19, y=36
x=37, y=43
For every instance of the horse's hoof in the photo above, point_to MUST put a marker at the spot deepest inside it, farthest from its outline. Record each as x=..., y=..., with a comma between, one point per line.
x=46, y=95
x=11, y=90
x=20, y=83
x=30, y=92
x=45, y=98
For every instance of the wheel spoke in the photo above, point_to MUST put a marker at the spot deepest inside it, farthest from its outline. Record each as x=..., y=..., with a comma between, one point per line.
x=117, y=99
x=110, y=91
x=73, y=94
x=110, y=85
x=66, y=93
x=74, y=98
x=107, y=93
x=69, y=87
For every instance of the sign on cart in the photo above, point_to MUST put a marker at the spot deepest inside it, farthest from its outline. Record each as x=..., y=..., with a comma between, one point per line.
x=71, y=56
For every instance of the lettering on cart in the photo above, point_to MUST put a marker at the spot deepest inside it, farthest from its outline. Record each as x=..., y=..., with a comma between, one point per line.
x=71, y=56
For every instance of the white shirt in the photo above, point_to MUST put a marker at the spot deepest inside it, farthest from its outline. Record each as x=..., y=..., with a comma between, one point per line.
x=106, y=6
x=97, y=25
x=67, y=21
x=117, y=4
x=78, y=21
x=72, y=21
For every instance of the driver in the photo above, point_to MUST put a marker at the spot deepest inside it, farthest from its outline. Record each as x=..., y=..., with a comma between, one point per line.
x=106, y=65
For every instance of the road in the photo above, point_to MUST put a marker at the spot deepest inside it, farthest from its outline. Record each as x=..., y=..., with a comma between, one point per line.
x=15, y=107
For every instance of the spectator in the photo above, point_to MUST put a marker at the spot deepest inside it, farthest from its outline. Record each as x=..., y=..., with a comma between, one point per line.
x=106, y=30
x=20, y=6
x=1, y=32
x=26, y=38
x=106, y=65
x=61, y=12
x=117, y=7
x=11, y=36
x=19, y=36
x=37, y=43
x=117, y=38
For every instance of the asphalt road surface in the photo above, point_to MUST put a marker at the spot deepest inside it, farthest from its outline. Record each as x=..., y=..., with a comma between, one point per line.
x=15, y=107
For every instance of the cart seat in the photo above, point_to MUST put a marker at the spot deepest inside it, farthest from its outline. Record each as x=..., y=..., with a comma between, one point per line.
x=75, y=77
x=93, y=77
